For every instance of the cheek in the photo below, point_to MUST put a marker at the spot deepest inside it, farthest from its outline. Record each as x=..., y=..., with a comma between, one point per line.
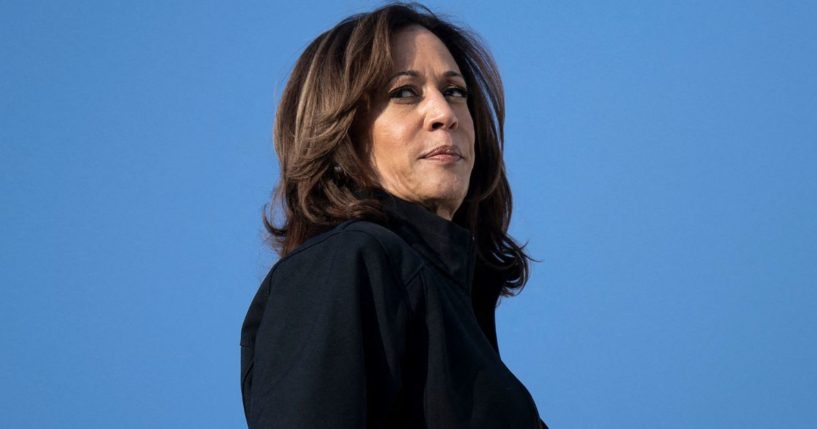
x=467, y=125
x=470, y=136
x=391, y=147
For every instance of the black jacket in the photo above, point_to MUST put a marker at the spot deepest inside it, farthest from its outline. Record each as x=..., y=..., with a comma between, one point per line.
x=375, y=326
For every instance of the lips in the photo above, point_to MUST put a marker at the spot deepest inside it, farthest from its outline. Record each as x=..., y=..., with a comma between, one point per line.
x=444, y=151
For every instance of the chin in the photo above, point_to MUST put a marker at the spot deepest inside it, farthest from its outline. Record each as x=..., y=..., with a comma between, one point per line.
x=445, y=193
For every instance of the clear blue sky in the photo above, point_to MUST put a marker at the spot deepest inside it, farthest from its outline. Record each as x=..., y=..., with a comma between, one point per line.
x=663, y=157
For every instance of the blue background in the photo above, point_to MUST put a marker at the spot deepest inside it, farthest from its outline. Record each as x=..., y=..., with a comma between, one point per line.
x=663, y=157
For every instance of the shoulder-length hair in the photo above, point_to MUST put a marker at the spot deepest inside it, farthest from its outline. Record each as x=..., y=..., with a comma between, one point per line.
x=325, y=170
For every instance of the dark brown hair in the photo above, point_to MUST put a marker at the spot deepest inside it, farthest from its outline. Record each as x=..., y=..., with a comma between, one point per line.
x=325, y=170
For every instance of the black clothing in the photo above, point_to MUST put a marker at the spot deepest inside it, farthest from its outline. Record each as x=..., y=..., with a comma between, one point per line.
x=374, y=326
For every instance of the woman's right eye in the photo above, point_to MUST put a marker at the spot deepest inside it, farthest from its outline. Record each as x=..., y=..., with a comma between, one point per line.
x=404, y=92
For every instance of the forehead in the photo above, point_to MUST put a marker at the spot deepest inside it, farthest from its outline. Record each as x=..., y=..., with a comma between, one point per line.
x=415, y=47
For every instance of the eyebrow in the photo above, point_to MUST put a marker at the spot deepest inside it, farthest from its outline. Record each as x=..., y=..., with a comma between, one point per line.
x=415, y=73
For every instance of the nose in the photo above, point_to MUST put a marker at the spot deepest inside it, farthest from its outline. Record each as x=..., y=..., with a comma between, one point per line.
x=439, y=114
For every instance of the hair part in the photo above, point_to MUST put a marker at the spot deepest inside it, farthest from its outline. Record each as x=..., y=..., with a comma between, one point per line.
x=325, y=168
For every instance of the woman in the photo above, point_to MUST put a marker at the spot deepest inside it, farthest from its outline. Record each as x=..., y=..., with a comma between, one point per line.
x=394, y=239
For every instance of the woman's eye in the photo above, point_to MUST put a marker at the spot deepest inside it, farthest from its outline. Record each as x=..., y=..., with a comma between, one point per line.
x=456, y=91
x=404, y=92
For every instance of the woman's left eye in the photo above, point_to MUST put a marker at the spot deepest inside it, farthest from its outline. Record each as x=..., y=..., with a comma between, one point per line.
x=456, y=91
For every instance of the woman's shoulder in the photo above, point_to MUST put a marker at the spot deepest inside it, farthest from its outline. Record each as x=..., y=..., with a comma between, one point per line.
x=351, y=244
x=350, y=236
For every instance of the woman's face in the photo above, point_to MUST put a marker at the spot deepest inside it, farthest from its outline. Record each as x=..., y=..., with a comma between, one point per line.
x=421, y=132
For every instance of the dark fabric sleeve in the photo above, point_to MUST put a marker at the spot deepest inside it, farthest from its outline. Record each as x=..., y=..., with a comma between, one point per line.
x=329, y=346
x=485, y=292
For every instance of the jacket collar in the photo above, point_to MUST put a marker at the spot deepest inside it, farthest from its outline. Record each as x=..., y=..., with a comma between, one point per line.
x=446, y=245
